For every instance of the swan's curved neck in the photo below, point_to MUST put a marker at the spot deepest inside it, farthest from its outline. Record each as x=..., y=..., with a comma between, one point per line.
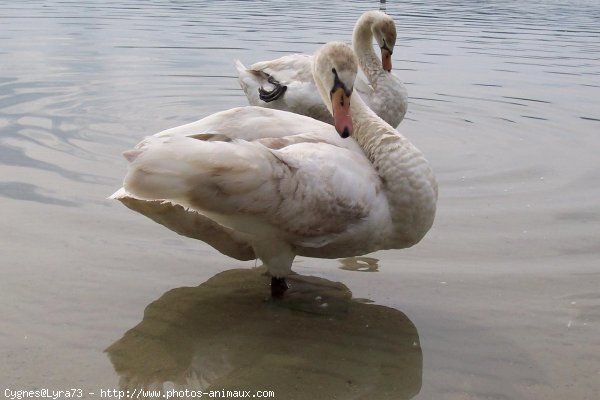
x=370, y=131
x=405, y=175
x=362, y=43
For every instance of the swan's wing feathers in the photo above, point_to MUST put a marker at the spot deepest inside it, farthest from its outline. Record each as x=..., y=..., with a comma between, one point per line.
x=288, y=69
x=307, y=190
x=284, y=84
x=211, y=137
x=248, y=123
x=331, y=188
x=212, y=176
x=276, y=143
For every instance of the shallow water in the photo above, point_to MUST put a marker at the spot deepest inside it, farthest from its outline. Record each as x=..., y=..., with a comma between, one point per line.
x=501, y=299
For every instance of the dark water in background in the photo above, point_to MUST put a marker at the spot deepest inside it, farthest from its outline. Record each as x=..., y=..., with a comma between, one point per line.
x=504, y=99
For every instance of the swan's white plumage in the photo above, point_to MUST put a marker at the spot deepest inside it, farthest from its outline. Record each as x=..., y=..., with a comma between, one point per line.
x=382, y=91
x=293, y=71
x=274, y=184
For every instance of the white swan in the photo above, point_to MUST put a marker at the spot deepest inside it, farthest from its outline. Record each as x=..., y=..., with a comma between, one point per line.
x=287, y=82
x=272, y=184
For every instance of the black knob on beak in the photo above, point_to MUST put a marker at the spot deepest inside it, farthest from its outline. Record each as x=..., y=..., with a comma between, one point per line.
x=345, y=133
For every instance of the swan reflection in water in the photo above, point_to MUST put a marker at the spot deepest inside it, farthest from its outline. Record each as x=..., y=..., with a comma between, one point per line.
x=360, y=264
x=317, y=343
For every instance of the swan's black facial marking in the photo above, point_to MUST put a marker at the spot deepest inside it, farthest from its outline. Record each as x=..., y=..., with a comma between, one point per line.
x=345, y=133
x=385, y=47
x=337, y=83
x=271, y=95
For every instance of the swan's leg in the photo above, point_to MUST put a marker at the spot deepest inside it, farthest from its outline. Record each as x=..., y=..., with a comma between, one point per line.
x=273, y=94
x=277, y=256
x=278, y=287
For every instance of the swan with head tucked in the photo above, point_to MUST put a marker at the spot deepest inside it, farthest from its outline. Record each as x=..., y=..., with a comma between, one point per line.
x=255, y=182
x=287, y=82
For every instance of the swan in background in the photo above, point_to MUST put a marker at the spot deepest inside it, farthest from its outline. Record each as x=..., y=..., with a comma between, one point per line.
x=255, y=182
x=287, y=82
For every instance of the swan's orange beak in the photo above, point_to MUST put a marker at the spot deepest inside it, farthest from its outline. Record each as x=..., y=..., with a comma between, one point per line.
x=342, y=120
x=386, y=59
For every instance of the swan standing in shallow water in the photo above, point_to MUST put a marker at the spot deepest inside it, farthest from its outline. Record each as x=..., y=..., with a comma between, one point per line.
x=256, y=182
x=291, y=86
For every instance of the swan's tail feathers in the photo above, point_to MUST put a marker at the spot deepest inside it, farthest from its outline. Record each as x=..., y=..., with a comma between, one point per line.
x=250, y=81
x=204, y=175
x=131, y=155
x=245, y=72
x=241, y=68
x=119, y=194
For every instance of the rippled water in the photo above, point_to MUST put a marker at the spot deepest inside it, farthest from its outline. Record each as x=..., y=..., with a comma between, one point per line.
x=501, y=300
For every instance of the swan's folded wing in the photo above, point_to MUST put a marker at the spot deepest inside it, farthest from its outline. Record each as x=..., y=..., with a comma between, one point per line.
x=287, y=69
x=332, y=188
x=308, y=191
x=285, y=84
x=250, y=123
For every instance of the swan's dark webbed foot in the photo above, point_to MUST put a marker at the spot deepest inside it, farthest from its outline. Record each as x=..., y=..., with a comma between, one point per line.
x=272, y=95
x=278, y=287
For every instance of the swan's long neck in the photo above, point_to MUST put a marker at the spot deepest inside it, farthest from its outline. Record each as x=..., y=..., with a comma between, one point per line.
x=405, y=174
x=371, y=132
x=362, y=43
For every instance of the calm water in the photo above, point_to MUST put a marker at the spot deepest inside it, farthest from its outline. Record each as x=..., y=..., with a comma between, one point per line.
x=500, y=301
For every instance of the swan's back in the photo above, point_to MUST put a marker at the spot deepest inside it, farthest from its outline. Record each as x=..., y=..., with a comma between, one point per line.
x=302, y=187
x=284, y=84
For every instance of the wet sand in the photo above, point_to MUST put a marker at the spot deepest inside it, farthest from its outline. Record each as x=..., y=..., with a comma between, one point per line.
x=502, y=296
